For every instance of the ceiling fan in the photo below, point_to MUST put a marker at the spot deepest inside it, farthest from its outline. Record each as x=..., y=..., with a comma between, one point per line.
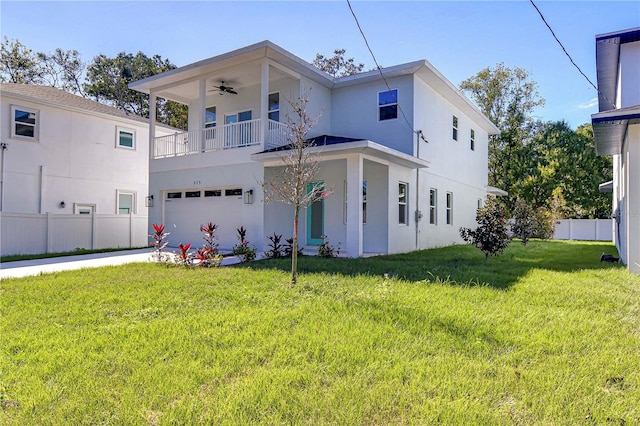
x=222, y=89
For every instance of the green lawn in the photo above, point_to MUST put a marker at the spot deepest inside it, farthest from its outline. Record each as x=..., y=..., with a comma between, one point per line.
x=544, y=334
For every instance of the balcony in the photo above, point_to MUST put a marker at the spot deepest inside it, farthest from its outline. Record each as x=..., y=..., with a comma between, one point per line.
x=229, y=136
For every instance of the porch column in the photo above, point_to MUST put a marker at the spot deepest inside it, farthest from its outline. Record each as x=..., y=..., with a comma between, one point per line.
x=202, y=105
x=264, y=102
x=152, y=124
x=354, y=205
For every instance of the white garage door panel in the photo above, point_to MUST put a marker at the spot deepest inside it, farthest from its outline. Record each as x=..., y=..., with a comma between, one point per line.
x=185, y=216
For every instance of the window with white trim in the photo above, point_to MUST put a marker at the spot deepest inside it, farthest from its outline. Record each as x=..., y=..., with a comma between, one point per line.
x=126, y=202
x=455, y=128
x=449, y=208
x=210, y=117
x=388, y=105
x=125, y=138
x=433, y=206
x=364, y=201
x=402, y=203
x=274, y=106
x=24, y=122
x=79, y=208
x=472, y=142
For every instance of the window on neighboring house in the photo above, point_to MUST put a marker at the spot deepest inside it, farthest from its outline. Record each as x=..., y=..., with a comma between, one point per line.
x=402, y=203
x=126, y=202
x=274, y=106
x=126, y=138
x=24, y=122
x=473, y=140
x=455, y=128
x=433, y=207
x=210, y=117
x=364, y=201
x=388, y=105
x=449, y=208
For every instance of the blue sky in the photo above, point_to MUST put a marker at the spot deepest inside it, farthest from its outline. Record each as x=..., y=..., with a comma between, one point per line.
x=458, y=37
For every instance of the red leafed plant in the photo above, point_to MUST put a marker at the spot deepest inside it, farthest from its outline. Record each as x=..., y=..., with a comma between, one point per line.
x=184, y=257
x=159, y=243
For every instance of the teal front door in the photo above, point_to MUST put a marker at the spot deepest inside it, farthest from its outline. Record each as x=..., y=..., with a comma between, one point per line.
x=315, y=215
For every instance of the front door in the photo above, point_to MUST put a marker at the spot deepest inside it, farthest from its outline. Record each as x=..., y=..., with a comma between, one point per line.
x=315, y=215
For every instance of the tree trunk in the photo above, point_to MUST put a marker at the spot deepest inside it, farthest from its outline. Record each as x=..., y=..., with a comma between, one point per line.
x=294, y=253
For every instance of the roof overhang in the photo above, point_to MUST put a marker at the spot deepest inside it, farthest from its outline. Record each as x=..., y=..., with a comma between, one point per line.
x=610, y=128
x=606, y=187
x=496, y=192
x=365, y=147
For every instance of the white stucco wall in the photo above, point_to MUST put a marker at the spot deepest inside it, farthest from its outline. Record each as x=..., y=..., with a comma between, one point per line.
x=632, y=202
x=354, y=113
x=80, y=163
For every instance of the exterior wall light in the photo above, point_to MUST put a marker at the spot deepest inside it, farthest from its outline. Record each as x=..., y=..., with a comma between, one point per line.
x=62, y=204
x=148, y=201
x=248, y=196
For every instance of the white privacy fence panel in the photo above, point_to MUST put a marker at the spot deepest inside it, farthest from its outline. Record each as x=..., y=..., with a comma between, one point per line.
x=22, y=233
x=584, y=229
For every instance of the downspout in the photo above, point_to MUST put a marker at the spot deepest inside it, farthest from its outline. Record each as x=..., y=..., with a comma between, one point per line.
x=3, y=148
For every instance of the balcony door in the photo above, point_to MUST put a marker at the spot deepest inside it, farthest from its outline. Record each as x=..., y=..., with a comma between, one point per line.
x=237, y=134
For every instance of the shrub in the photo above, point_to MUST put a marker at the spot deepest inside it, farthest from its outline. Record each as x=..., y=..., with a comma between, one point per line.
x=491, y=236
x=544, y=224
x=524, y=221
x=276, y=249
x=209, y=238
x=244, y=251
x=288, y=248
x=159, y=243
x=184, y=257
x=327, y=250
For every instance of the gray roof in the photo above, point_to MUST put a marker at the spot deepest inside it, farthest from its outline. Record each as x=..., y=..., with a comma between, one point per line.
x=51, y=95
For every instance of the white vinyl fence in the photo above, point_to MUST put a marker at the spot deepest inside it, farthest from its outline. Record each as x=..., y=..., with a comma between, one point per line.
x=22, y=233
x=584, y=229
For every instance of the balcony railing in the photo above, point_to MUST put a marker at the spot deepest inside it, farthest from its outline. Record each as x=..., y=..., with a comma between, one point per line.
x=229, y=136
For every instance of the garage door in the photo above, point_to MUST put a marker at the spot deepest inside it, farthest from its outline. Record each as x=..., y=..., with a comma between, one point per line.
x=186, y=211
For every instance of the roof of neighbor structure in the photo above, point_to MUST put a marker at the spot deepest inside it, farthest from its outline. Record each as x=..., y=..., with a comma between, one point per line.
x=57, y=97
x=267, y=49
x=610, y=124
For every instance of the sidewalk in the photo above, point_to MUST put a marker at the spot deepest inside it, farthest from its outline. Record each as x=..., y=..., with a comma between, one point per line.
x=24, y=268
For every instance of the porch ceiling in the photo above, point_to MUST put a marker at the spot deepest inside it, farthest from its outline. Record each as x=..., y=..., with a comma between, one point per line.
x=331, y=152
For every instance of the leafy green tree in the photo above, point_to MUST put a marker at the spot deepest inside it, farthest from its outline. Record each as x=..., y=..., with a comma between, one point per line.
x=508, y=98
x=491, y=236
x=337, y=65
x=524, y=221
x=108, y=82
x=18, y=64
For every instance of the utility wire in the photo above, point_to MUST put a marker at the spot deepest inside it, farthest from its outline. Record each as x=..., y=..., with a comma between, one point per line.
x=379, y=68
x=567, y=53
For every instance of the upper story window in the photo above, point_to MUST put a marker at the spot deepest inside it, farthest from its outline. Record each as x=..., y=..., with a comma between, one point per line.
x=472, y=143
x=388, y=105
x=125, y=138
x=402, y=203
x=24, y=122
x=455, y=128
x=274, y=106
x=210, y=117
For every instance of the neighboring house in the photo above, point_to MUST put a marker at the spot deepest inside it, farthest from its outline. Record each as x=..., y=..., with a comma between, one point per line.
x=64, y=154
x=405, y=157
x=616, y=131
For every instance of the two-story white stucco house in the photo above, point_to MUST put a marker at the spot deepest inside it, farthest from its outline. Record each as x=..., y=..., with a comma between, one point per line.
x=405, y=156
x=63, y=154
x=616, y=129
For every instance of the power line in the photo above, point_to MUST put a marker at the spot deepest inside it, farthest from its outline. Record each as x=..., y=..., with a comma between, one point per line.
x=379, y=68
x=567, y=53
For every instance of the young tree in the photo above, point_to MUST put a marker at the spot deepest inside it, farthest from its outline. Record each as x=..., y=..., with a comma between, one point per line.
x=524, y=221
x=337, y=65
x=300, y=166
x=491, y=236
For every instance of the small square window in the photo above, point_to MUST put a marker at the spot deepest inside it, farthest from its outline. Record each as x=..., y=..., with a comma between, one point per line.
x=126, y=138
x=24, y=122
x=388, y=105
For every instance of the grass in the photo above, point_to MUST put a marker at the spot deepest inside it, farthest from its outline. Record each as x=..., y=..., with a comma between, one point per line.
x=76, y=252
x=545, y=334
